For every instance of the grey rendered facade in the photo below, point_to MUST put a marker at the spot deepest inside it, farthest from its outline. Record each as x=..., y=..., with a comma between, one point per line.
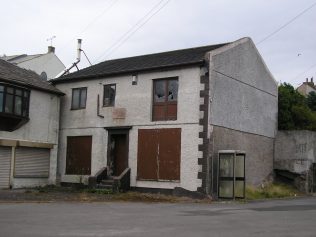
x=28, y=129
x=226, y=99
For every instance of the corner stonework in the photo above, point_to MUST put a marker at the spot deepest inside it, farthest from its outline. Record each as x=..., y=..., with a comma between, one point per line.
x=203, y=147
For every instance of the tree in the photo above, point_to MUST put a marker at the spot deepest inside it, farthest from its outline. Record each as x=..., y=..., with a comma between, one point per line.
x=293, y=110
x=311, y=101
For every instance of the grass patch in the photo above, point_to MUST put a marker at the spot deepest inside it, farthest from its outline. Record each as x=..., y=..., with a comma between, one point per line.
x=274, y=190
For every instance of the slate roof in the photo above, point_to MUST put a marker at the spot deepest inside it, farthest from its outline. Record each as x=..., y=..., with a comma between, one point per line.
x=19, y=76
x=169, y=59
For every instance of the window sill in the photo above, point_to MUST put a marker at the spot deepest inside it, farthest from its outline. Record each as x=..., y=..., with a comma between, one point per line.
x=77, y=109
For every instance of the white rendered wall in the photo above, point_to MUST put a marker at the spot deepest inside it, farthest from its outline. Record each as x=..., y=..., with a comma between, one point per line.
x=42, y=127
x=137, y=100
x=48, y=63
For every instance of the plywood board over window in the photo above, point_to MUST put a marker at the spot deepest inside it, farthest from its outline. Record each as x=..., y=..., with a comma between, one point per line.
x=78, y=160
x=159, y=154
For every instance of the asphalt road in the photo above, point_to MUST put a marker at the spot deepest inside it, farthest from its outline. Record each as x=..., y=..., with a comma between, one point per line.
x=270, y=218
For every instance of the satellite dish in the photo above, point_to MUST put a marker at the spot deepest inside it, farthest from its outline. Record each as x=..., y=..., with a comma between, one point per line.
x=43, y=76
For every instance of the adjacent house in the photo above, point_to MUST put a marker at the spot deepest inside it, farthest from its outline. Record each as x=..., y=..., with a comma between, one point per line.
x=165, y=118
x=29, y=125
x=47, y=65
x=307, y=87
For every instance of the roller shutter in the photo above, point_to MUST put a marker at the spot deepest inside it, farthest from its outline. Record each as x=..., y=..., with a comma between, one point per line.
x=5, y=161
x=31, y=162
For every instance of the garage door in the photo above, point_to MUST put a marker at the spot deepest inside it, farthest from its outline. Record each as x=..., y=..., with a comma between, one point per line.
x=31, y=162
x=5, y=161
x=159, y=154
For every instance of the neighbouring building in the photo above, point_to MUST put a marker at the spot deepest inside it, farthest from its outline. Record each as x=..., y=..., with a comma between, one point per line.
x=166, y=116
x=307, y=87
x=29, y=125
x=47, y=65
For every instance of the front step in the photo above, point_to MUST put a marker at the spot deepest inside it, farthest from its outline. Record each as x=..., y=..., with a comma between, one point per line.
x=106, y=184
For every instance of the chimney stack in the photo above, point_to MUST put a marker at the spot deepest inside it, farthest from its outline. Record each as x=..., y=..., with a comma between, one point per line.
x=79, y=49
x=312, y=80
x=306, y=79
x=51, y=49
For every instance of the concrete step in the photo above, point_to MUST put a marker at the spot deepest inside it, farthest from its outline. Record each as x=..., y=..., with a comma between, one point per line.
x=107, y=181
x=104, y=186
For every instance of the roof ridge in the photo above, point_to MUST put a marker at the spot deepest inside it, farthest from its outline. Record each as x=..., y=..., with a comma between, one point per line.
x=165, y=52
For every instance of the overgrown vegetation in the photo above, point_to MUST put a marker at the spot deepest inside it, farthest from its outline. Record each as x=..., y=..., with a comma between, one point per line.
x=295, y=111
x=275, y=190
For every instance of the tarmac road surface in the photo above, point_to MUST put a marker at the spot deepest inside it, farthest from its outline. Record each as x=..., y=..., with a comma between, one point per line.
x=296, y=217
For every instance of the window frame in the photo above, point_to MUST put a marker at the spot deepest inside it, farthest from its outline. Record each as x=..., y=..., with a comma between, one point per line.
x=25, y=101
x=80, y=93
x=109, y=85
x=166, y=102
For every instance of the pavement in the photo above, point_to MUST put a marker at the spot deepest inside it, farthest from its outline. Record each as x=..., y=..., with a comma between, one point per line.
x=293, y=217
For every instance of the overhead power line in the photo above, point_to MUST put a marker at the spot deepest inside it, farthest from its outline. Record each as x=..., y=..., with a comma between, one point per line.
x=306, y=70
x=150, y=14
x=107, y=8
x=286, y=24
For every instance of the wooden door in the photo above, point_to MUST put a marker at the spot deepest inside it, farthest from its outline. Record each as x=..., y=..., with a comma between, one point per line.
x=120, y=161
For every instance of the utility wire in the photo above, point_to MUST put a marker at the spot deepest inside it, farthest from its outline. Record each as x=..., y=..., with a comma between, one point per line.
x=150, y=14
x=300, y=74
x=286, y=24
x=108, y=8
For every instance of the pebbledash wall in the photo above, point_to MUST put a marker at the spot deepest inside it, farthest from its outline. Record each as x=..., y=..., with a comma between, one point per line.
x=243, y=110
x=137, y=100
x=41, y=131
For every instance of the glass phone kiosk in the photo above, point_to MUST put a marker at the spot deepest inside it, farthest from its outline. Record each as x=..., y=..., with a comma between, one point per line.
x=231, y=174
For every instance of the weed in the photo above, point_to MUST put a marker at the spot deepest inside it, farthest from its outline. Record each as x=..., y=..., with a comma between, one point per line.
x=275, y=190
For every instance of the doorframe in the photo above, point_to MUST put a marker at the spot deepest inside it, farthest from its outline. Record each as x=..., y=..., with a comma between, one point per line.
x=123, y=130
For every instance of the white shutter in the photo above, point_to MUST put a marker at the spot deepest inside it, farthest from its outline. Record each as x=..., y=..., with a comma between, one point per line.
x=31, y=162
x=5, y=161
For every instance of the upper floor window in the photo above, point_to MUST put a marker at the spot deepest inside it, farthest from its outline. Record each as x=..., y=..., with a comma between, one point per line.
x=109, y=95
x=79, y=98
x=14, y=100
x=165, y=99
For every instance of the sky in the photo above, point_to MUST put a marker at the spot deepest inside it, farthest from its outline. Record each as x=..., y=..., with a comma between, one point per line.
x=121, y=28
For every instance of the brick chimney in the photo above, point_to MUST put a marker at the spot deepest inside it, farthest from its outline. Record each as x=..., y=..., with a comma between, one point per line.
x=51, y=49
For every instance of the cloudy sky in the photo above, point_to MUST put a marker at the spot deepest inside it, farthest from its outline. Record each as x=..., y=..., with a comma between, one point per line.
x=121, y=28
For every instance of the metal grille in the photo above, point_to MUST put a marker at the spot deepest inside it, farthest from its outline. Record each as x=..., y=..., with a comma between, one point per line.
x=31, y=162
x=5, y=161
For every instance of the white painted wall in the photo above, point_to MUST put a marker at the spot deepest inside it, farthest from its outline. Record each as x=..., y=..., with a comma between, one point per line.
x=48, y=63
x=137, y=100
x=42, y=127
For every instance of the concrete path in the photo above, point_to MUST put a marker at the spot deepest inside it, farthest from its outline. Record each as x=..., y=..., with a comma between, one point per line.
x=286, y=218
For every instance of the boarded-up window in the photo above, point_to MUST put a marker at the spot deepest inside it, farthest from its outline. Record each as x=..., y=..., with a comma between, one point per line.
x=78, y=159
x=165, y=99
x=159, y=154
x=31, y=162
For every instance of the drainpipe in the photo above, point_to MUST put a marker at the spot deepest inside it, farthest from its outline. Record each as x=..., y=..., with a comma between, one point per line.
x=67, y=69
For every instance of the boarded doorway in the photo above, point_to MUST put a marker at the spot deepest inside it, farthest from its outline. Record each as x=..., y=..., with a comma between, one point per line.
x=117, y=156
x=159, y=154
x=78, y=161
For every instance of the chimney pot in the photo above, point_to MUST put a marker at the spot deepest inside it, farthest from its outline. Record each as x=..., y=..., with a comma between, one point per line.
x=51, y=49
